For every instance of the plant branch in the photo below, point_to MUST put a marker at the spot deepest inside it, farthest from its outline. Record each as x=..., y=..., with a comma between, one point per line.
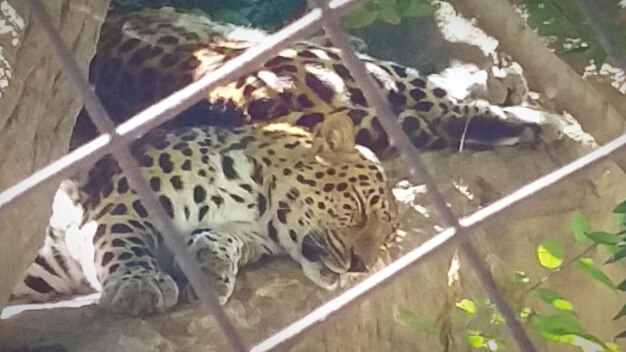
x=552, y=273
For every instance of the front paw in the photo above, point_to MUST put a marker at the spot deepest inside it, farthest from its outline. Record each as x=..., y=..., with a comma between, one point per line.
x=139, y=294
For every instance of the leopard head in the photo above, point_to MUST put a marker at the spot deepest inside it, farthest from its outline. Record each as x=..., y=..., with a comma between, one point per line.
x=346, y=211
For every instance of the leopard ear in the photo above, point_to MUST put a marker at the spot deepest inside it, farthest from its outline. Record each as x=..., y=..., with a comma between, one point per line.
x=334, y=137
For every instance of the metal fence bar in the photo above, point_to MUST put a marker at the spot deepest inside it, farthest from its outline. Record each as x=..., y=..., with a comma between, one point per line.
x=173, y=238
x=55, y=171
x=418, y=172
x=175, y=103
x=501, y=208
x=291, y=334
x=179, y=101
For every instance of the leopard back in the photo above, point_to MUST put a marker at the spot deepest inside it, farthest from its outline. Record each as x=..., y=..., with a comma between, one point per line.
x=146, y=55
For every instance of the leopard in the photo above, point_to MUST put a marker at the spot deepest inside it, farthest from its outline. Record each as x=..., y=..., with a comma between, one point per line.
x=285, y=160
x=236, y=195
x=144, y=56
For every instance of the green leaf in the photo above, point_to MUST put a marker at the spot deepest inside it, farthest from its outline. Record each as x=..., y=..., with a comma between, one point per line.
x=475, y=339
x=414, y=320
x=586, y=342
x=621, y=313
x=417, y=8
x=554, y=299
x=550, y=254
x=388, y=12
x=620, y=208
x=603, y=237
x=564, y=328
x=478, y=339
x=467, y=305
x=621, y=335
x=558, y=324
x=611, y=347
x=618, y=218
x=622, y=286
x=579, y=227
x=621, y=253
x=588, y=266
x=359, y=18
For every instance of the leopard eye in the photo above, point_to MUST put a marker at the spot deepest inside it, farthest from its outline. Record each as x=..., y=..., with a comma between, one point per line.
x=360, y=216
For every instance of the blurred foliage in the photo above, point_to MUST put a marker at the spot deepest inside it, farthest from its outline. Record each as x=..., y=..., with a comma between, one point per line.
x=272, y=14
x=266, y=14
x=546, y=311
x=559, y=19
x=389, y=11
x=563, y=20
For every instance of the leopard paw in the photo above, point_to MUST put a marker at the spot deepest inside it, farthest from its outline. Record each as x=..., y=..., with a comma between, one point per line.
x=139, y=293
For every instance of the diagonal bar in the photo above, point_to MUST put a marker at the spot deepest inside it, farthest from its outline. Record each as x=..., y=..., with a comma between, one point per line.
x=418, y=172
x=175, y=103
x=201, y=283
x=501, y=208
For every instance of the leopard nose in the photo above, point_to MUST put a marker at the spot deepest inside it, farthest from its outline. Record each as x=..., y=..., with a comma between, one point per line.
x=357, y=265
x=314, y=247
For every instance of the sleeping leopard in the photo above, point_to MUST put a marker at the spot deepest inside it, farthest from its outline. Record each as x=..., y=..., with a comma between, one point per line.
x=277, y=162
x=143, y=56
x=237, y=195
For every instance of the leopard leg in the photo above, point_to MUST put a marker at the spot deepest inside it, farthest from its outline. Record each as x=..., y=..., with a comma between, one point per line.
x=486, y=126
x=133, y=282
x=220, y=252
x=475, y=127
x=54, y=274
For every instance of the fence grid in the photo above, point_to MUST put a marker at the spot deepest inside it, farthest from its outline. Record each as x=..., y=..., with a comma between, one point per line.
x=115, y=140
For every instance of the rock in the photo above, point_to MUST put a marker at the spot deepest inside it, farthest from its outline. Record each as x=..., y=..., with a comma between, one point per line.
x=38, y=107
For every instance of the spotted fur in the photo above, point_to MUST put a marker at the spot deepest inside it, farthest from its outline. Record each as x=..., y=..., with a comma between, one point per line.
x=236, y=195
x=146, y=55
x=251, y=187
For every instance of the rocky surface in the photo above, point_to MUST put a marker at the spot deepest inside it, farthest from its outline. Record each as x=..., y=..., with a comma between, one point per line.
x=270, y=296
x=38, y=107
